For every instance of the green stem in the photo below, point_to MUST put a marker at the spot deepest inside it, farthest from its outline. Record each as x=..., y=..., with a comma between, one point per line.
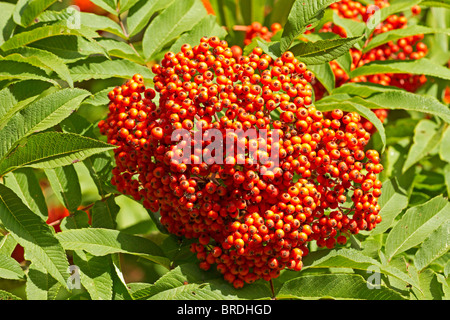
x=124, y=30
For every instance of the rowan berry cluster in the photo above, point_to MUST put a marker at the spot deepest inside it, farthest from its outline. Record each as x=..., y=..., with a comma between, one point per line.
x=256, y=29
x=409, y=48
x=254, y=205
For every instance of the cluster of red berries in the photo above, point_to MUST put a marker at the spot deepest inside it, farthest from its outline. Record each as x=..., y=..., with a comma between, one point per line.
x=406, y=48
x=347, y=9
x=409, y=48
x=256, y=29
x=255, y=204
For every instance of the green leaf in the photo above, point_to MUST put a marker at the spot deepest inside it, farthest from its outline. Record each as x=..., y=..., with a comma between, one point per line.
x=171, y=285
x=334, y=286
x=447, y=268
x=421, y=66
x=108, y=5
x=140, y=14
x=76, y=220
x=178, y=251
x=189, y=282
x=395, y=154
x=397, y=7
x=125, y=5
x=7, y=244
x=155, y=217
x=47, y=59
x=436, y=245
x=83, y=20
x=26, y=185
x=65, y=185
x=397, y=34
x=7, y=24
x=120, y=287
x=252, y=11
x=436, y=3
x=271, y=48
x=5, y=295
x=352, y=27
x=352, y=259
x=78, y=124
x=322, y=51
x=279, y=9
x=100, y=166
x=40, y=284
x=102, y=68
x=427, y=135
x=444, y=150
x=26, y=11
x=179, y=17
x=7, y=101
x=227, y=14
x=16, y=70
x=120, y=49
x=99, y=98
x=416, y=225
x=10, y=268
x=302, y=16
x=363, y=89
x=69, y=48
x=27, y=37
x=34, y=61
x=392, y=201
x=253, y=44
x=189, y=291
x=51, y=150
x=104, y=213
x=402, y=100
x=447, y=177
x=429, y=182
x=445, y=282
x=100, y=242
x=97, y=22
x=325, y=75
x=431, y=289
x=205, y=27
x=345, y=62
x=24, y=93
x=39, y=115
x=95, y=274
x=32, y=233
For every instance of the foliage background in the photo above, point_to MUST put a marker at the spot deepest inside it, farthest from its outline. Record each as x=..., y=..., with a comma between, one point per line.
x=54, y=81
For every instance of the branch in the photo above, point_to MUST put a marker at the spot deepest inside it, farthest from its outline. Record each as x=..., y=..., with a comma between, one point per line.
x=125, y=32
